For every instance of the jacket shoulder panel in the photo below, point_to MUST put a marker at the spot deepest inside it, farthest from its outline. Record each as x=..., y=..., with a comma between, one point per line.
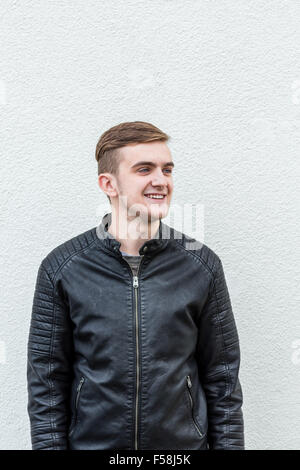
x=62, y=253
x=199, y=250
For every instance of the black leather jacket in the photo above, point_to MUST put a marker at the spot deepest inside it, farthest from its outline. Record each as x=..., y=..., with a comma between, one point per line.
x=117, y=361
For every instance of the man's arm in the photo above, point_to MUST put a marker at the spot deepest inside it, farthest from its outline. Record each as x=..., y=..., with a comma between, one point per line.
x=218, y=356
x=49, y=366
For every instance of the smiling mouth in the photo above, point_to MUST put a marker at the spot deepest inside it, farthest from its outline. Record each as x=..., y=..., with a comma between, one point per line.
x=160, y=197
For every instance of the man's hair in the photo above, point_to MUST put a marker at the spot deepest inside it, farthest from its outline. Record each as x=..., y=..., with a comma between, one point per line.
x=108, y=153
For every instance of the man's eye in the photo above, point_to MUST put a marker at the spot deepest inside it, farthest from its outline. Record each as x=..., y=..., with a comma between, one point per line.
x=147, y=169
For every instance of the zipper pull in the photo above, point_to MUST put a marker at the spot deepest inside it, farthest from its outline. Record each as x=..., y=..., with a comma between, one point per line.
x=80, y=384
x=135, y=282
x=189, y=382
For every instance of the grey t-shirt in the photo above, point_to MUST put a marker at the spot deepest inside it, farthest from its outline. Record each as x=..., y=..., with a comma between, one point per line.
x=134, y=261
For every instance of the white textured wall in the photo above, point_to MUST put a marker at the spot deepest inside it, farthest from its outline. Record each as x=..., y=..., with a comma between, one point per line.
x=223, y=79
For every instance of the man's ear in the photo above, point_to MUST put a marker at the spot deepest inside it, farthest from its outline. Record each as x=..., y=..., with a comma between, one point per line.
x=107, y=184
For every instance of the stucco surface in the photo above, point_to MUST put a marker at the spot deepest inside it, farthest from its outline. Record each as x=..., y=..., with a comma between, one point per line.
x=222, y=78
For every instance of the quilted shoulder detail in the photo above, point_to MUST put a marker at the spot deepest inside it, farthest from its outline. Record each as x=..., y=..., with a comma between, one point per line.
x=200, y=250
x=63, y=252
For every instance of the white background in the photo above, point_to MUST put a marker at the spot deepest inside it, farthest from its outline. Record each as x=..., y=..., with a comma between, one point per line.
x=222, y=78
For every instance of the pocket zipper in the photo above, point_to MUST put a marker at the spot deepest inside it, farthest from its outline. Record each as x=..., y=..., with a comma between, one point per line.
x=76, y=405
x=78, y=391
x=189, y=384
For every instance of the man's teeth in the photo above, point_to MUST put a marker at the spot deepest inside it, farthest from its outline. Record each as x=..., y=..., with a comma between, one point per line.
x=155, y=197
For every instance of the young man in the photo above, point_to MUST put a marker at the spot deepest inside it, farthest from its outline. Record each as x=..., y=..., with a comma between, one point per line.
x=133, y=342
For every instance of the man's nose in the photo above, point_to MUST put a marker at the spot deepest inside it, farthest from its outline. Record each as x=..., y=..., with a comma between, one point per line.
x=159, y=178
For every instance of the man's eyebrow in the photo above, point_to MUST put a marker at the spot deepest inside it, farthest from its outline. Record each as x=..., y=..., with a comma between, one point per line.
x=151, y=164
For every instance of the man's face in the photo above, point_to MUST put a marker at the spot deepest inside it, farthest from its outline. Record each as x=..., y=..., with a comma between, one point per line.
x=145, y=170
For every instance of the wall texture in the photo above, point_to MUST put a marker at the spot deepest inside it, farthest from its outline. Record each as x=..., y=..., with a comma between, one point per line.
x=223, y=79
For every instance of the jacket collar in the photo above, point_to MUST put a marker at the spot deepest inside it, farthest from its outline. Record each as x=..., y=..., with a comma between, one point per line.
x=157, y=243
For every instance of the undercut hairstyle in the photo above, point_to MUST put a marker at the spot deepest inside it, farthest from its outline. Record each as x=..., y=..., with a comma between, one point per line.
x=108, y=154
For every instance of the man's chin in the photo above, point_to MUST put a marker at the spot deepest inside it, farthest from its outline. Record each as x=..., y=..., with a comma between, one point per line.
x=157, y=213
x=151, y=213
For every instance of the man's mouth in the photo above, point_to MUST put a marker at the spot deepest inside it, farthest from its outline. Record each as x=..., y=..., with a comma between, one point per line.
x=158, y=197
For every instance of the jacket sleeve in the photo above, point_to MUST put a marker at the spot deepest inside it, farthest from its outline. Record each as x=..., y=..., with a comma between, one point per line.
x=49, y=365
x=218, y=356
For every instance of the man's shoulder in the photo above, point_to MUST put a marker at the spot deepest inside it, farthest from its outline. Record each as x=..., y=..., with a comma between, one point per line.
x=196, y=249
x=59, y=255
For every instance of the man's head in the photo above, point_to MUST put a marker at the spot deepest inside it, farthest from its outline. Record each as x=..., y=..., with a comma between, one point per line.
x=134, y=160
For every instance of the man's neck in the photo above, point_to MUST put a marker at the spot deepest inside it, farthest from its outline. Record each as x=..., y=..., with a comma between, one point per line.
x=132, y=232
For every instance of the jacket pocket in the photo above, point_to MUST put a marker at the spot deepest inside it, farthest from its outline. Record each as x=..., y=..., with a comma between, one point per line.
x=75, y=415
x=189, y=390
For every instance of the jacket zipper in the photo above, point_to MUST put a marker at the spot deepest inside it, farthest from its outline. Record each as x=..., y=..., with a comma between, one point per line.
x=78, y=393
x=135, y=287
x=76, y=402
x=189, y=384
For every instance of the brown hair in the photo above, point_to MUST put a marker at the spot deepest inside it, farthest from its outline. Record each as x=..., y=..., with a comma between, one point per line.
x=107, y=152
